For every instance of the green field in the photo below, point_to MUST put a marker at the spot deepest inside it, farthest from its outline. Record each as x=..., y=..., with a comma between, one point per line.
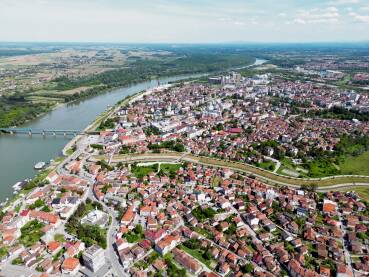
x=356, y=165
x=267, y=165
x=198, y=254
x=142, y=171
x=266, y=176
x=31, y=233
x=170, y=169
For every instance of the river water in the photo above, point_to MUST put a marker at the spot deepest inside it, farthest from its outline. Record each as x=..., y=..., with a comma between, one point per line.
x=19, y=153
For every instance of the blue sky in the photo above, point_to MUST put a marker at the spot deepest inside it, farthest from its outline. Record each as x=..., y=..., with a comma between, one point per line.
x=186, y=21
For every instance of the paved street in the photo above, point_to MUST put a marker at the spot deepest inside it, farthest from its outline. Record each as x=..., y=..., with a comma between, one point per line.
x=82, y=145
x=345, y=246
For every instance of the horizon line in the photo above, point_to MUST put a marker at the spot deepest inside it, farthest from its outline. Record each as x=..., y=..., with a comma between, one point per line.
x=192, y=43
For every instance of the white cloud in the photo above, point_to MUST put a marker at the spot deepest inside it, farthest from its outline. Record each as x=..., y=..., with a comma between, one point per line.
x=363, y=18
x=359, y=17
x=299, y=21
x=179, y=21
x=343, y=2
x=365, y=8
x=314, y=16
x=331, y=9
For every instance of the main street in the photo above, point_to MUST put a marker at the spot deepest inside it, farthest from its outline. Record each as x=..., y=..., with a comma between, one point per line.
x=344, y=244
x=81, y=149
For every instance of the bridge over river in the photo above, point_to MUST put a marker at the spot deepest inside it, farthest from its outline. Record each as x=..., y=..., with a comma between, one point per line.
x=43, y=132
x=19, y=153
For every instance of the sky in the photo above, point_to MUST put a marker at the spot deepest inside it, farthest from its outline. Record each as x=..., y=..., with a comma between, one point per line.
x=184, y=21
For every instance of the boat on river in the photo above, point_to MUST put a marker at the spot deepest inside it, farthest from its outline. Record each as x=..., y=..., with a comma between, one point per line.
x=39, y=165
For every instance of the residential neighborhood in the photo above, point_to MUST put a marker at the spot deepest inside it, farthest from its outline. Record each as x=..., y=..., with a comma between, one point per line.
x=104, y=212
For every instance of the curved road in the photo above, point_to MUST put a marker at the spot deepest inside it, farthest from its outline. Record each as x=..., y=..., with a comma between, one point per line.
x=324, y=184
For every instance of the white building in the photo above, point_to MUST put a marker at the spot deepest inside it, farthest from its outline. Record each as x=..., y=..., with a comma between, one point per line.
x=94, y=258
x=96, y=217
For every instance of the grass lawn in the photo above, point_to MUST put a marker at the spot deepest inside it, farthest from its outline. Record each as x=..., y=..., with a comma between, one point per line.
x=3, y=252
x=197, y=254
x=272, y=177
x=344, y=81
x=31, y=233
x=141, y=264
x=267, y=165
x=59, y=238
x=170, y=169
x=142, y=171
x=70, y=151
x=356, y=165
x=287, y=164
x=203, y=232
x=58, y=255
x=132, y=237
x=266, y=176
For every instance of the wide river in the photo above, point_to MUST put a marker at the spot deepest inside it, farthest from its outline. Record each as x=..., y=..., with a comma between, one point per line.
x=19, y=153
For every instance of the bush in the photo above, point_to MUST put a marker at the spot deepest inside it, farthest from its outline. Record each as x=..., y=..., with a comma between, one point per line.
x=203, y=214
x=135, y=235
x=247, y=268
x=97, y=146
x=171, y=145
x=192, y=244
x=89, y=234
x=107, y=124
x=31, y=233
x=38, y=204
x=17, y=261
x=3, y=252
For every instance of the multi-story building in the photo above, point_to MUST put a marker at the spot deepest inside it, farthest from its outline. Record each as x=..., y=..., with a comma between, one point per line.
x=94, y=258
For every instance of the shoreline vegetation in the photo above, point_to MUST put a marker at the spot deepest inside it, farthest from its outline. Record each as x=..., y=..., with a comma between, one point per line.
x=266, y=175
x=145, y=70
x=68, y=149
x=20, y=108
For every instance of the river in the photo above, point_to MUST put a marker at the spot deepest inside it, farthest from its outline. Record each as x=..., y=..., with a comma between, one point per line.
x=19, y=153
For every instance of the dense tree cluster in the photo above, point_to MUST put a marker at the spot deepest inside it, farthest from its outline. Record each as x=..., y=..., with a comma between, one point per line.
x=170, y=144
x=89, y=234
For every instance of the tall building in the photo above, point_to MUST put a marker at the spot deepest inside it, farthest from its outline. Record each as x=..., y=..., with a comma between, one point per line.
x=236, y=77
x=94, y=258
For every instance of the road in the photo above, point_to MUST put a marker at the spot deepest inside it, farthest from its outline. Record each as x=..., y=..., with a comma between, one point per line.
x=239, y=167
x=253, y=234
x=112, y=255
x=82, y=145
x=344, y=243
x=17, y=270
x=277, y=163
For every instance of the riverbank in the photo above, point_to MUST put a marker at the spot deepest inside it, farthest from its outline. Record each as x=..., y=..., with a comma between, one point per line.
x=23, y=152
x=106, y=114
x=30, y=110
